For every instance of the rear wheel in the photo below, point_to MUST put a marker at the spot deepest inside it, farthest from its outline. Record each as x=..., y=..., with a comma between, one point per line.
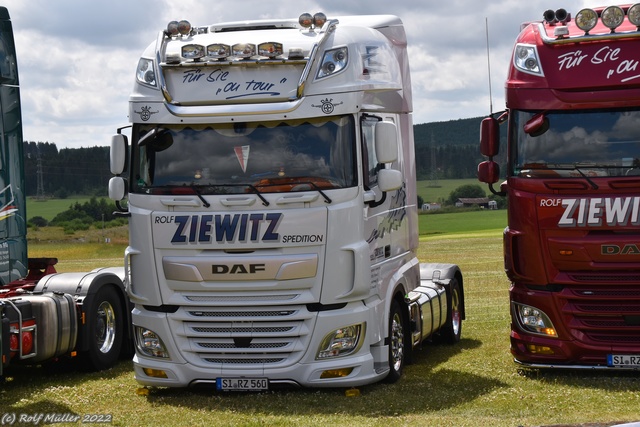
x=106, y=326
x=452, y=330
x=396, y=343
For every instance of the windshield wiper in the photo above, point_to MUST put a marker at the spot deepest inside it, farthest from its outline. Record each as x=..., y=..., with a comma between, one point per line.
x=326, y=198
x=564, y=167
x=589, y=180
x=265, y=202
x=196, y=190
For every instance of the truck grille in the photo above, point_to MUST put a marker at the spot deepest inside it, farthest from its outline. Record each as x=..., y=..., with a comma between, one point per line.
x=214, y=337
x=598, y=316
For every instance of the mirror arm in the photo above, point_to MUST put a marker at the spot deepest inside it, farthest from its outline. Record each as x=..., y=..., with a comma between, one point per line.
x=373, y=203
x=121, y=212
x=497, y=193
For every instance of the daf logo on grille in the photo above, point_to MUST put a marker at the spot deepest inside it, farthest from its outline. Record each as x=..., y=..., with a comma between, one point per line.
x=237, y=268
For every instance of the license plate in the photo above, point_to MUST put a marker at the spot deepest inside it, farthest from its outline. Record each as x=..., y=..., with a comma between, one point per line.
x=242, y=384
x=623, y=361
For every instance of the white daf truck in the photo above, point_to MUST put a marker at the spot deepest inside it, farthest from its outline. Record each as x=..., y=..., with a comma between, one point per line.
x=269, y=179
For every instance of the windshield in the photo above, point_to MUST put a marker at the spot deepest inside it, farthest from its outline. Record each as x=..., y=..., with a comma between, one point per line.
x=572, y=144
x=262, y=157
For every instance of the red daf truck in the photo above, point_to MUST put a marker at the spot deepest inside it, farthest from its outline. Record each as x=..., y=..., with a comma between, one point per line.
x=572, y=244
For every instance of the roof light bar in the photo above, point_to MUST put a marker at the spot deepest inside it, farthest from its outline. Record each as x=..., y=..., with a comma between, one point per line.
x=306, y=20
x=633, y=14
x=193, y=51
x=174, y=28
x=218, y=51
x=612, y=17
x=184, y=27
x=270, y=49
x=319, y=19
x=586, y=19
x=559, y=16
x=243, y=50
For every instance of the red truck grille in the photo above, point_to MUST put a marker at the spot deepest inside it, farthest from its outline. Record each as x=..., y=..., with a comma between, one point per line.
x=598, y=316
x=595, y=278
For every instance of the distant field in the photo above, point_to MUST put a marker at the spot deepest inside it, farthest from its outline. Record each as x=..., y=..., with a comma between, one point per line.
x=49, y=208
x=462, y=222
x=441, y=190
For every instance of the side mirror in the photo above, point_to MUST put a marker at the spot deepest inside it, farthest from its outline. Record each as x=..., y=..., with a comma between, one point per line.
x=489, y=137
x=537, y=125
x=386, y=143
x=488, y=172
x=389, y=180
x=116, y=188
x=118, y=154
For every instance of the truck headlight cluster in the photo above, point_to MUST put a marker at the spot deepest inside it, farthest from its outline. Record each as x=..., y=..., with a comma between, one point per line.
x=534, y=320
x=525, y=58
x=145, y=73
x=333, y=61
x=149, y=343
x=342, y=342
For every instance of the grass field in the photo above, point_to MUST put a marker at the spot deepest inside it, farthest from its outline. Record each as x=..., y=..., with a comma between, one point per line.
x=471, y=384
x=436, y=192
x=49, y=208
x=474, y=383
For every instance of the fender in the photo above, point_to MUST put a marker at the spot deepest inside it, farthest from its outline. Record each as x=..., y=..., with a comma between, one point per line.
x=83, y=287
x=399, y=284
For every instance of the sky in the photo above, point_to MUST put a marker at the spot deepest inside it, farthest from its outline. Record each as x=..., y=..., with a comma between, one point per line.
x=77, y=58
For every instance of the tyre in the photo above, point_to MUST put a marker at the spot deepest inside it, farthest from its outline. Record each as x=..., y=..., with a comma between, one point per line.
x=397, y=347
x=452, y=329
x=106, y=329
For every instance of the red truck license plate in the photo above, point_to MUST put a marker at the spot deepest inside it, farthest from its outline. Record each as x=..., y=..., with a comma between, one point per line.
x=623, y=360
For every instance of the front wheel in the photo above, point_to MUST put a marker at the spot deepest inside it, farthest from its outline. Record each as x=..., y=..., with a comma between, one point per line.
x=452, y=330
x=396, y=343
x=106, y=326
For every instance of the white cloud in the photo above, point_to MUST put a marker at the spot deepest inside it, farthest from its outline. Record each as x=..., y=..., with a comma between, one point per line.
x=77, y=58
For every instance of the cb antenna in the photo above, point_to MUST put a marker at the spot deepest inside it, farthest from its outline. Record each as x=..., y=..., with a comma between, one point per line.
x=486, y=25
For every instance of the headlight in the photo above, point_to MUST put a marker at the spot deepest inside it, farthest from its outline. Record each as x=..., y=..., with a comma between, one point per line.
x=193, y=51
x=586, y=19
x=145, y=73
x=634, y=14
x=333, y=61
x=149, y=343
x=341, y=342
x=525, y=58
x=533, y=320
x=612, y=17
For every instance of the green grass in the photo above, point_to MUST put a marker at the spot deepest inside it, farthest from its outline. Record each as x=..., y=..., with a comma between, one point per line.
x=49, y=208
x=474, y=221
x=473, y=383
x=439, y=193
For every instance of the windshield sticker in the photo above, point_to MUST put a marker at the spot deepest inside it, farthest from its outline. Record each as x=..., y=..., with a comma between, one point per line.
x=242, y=153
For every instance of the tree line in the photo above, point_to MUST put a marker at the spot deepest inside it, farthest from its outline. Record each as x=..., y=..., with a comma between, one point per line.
x=444, y=150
